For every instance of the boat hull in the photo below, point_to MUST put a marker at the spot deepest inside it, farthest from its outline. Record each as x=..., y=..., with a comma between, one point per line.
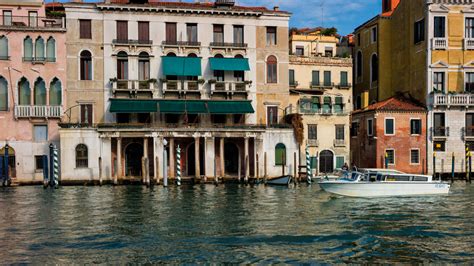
x=385, y=189
x=280, y=181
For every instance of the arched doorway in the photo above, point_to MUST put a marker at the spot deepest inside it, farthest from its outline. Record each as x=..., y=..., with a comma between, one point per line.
x=191, y=159
x=133, y=159
x=11, y=162
x=326, y=162
x=231, y=159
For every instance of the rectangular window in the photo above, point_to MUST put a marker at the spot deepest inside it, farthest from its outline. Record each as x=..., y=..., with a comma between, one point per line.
x=415, y=127
x=38, y=162
x=354, y=129
x=415, y=156
x=315, y=78
x=373, y=35
x=143, y=31
x=192, y=32
x=370, y=127
x=238, y=34
x=40, y=133
x=85, y=31
x=171, y=33
x=327, y=105
x=86, y=114
x=469, y=27
x=439, y=146
x=299, y=50
x=389, y=126
x=338, y=104
x=470, y=125
x=218, y=33
x=7, y=17
x=344, y=79
x=272, y=115
x=271, y=35
x=439, y=27
x=313, y=161
x=292, y=77
x=340, y=132
x=469, y=82
x=419, y=31
x=438, y=82
x=122, y=30
x=32, y=18
x=327, y=79
x=340, y=162
x=312, y=132
x=390, y=156
x=439, y=125
x=328, y=51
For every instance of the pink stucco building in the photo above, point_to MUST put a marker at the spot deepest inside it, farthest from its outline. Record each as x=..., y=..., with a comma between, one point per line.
x=32, y=82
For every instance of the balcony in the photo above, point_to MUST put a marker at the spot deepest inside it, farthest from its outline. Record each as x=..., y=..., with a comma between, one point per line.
x=344, y=86
x=469, y=44
x=132, y=86
x=118, y=42
x=36, y=111
x=439, y=44
x=469, y=132
x=313, y=142
x=294, y=84
x=228, y=45
x=440, y=132
x=323, y=85
x=32, y=23
x=461, y=100
x=229, y=87
x=39, y=60
x=184, y=44
x=182, y=86
x=340, y=143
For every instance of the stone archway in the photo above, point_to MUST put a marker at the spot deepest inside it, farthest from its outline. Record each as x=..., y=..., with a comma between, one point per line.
x=326, y=161
x=191, y=159
x=11, y=161
x=133, y=159
x=231, y=159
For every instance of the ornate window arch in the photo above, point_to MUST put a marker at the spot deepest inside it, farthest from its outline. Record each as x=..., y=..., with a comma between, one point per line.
x=82, y=156
x=272, y=69
x=85, y=63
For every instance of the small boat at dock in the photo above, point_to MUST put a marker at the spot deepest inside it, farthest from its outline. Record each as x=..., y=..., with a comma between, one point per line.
x=384, y=184
x=280, y=181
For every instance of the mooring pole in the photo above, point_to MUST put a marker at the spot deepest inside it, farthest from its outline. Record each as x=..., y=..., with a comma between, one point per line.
x=6, y=178
x=265, y=167
x=257, y=169
x=157, y=174
x=100, y=171
x=178, y=166
x=239, y=172
x=386, y=160
x=453, y=161
x=295, y=172
x=308, y=166
x=55, y=181
x=470, y=167
x=165, y=168
x=216, y=181
x=45, y=171
x=434, y=165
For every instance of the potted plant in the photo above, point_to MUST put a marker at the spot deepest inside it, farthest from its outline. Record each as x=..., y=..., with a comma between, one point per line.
x=212, y=81
x=113, y=80
x=201, y=81
x=164, y=80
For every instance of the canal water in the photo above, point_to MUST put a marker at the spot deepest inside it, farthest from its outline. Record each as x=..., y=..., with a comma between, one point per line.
x=231, y=224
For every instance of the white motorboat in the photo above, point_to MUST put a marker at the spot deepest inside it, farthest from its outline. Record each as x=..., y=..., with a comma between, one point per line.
x=384, y=184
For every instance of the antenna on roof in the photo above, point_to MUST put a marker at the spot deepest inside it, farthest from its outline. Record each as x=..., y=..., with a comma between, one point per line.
x=322, y=12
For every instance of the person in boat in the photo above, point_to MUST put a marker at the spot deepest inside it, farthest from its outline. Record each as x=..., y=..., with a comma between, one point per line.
x=354, y=167
x=345, y=167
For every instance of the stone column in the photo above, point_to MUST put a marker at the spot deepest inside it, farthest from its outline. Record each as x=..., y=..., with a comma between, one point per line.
x=246, y=158
x=209, y=156
x=145, y=147
x=221, y=152
x=196, y=156
x=255, y=158
x=172, y=159
x=119, y=158
x=146, y=168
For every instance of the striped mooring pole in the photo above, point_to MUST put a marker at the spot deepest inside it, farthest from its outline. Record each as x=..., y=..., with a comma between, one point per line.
x=308, y=166
x=54, y=176
x=178, y=166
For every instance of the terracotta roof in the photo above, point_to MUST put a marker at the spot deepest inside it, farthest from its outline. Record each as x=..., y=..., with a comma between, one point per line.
x=396, y=103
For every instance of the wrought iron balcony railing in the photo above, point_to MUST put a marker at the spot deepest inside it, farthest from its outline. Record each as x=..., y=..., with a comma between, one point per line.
x=32, y=22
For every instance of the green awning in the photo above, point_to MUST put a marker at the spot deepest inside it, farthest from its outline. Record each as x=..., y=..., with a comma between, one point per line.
x=230, y=107
x=132, y=106
x=181, y=66
x=182, y=106
x=230, y=64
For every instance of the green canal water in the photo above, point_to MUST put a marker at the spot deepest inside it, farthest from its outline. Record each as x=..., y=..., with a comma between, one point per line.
x=231, y=224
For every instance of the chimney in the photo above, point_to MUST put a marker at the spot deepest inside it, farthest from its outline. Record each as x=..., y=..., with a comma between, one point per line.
x=276, y=8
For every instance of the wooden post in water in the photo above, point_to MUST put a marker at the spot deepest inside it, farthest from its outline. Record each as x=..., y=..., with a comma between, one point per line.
x=247, y=169
x=265, y=167
x=453, y=161
x=257, y=173
x=434, y=165
x=216, y=181
x=100, y=171
x=157, y=162
x=295, y=172
x=470, y=167
x=239, y=170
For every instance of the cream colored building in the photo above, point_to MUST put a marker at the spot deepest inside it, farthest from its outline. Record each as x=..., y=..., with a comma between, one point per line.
x=321, y=91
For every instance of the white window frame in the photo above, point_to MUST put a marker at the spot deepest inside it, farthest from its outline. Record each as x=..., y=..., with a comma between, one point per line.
x=394, y=156
x=466, y=16
x=266, y=112
x=385, y=126
x=92, y=65
x=445, y=25
x=444, y=81
x=372, y=128
x=372, y=39
x=469, y=71
x=419, y=156
x=421, y=126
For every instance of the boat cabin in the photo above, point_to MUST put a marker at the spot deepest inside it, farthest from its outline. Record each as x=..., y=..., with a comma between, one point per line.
x=384, y=177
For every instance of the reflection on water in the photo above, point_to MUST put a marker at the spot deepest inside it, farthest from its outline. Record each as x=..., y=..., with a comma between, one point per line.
x=235, y=224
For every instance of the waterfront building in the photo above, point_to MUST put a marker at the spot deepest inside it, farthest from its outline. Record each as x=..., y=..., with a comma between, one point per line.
x=422, y=48
x=390, y=134
x=150, y=76
x=32, y=84
x=321, y=93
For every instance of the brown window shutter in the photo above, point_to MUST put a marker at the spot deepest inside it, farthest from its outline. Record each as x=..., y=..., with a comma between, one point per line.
x=143, y=31
x=122, y=30
x=171, y=32
x=85, y=29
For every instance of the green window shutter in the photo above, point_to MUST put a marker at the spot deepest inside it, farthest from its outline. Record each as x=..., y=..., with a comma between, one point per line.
x=292, y=77
x=339, y=161
x=55, y=93
x=25, y=92
x=51, y=49
x=344, y=78
x=40, y=92
x=327, y=78
x=39, y=48
x=28, y=48
x=3, y=47
x=314, y=162
x=315, y=78
x=280, y=154
x=3, y=94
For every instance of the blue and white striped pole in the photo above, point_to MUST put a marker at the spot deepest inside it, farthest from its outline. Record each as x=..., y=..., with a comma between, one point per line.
x=178, y=166
x=54, y=182
x=308, y=166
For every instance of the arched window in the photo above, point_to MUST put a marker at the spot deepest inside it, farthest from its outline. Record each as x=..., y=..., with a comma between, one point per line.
x=55, y=92
x=3, y=94
x=280, y=154
x=39, y=49
x=326, y=162
x=374, y=68
x=143, y=66
x=86, y=65
x=272, y=69
x=3, y=48
x=171, y=54
x=24, y=92
x=28, y=49
x=239, y=75
x=40, y=92
x=192, y=55
x=122, y=66
x=82, y=159
x=359, y=64
x=51, y=50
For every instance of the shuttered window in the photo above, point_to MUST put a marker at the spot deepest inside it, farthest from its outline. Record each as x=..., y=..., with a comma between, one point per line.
x=327, y=78
x=86, y=65
x=85, y=31
x=315, y=78
x=40, y=92
x=82, y=157
x=312, y=132
x=218, y=33
x=344, y=80
x=143, y=31
x=25, y=92
x=272, y=69
x=171, y=32
x=3, y=48
x=86, y=114
x=192, y=32
x=238, y=34
x=122, y=30
x=3, y=94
